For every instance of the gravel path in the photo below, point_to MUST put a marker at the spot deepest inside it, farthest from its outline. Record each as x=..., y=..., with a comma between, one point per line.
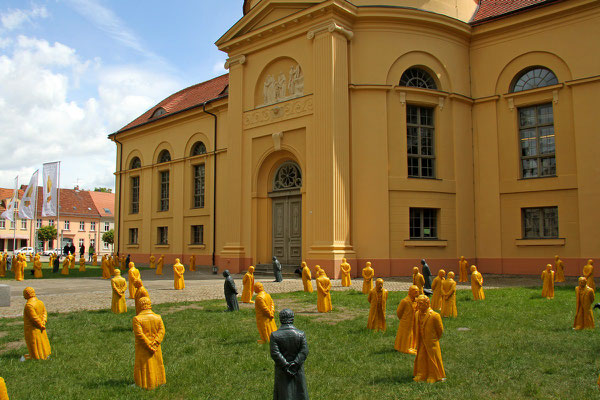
x=77, y=294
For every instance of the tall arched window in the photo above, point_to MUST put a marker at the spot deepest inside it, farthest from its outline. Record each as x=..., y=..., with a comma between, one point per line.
x=533, y=78
x=419, y=78
x=135, y=163
x=164, y=156
x=198, y=148
x=287, y=177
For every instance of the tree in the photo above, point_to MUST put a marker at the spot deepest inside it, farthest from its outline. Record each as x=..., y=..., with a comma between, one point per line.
x=103, y=189
x=109, y=237
x=46, y=233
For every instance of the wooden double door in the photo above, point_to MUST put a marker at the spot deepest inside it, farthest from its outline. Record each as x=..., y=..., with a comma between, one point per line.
x=287, y=229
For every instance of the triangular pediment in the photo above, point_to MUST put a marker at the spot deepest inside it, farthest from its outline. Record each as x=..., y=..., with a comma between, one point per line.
x=265, y=13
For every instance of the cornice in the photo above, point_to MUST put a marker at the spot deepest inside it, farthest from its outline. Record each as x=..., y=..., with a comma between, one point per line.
x=331, y=27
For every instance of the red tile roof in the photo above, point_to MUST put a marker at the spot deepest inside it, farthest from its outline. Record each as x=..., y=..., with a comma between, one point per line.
x=493, y=9
x=103, y=201
x=73, y=203
x=190, y=97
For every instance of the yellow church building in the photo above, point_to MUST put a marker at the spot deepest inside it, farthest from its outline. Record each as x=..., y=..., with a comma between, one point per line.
x=377, y=130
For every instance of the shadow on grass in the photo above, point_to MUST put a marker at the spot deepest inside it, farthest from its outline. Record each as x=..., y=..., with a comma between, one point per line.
x=108, y=383
x=385, y=350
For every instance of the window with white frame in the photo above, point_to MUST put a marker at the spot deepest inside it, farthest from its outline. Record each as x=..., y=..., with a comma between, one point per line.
x=106, y=226
x=2, y=223
x=38, y=223
x=93, y=243
x=51, y=222
x=12, y=224
x=82, y=226
x=92, y=226
x=105, y=245
x=67, y=225
x=23, y=224
x=81, y=242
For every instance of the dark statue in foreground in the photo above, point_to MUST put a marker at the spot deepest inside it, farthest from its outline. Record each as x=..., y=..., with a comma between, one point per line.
x=277, y=270
x=426, y=274
x=289, y=351
x=230, y=292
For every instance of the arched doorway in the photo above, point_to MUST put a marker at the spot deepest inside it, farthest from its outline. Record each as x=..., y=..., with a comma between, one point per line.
x=287, y=214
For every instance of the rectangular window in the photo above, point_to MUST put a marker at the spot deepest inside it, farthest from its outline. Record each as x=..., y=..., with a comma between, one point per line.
x=540, y=223
x=12, y=224
x=163, y=235
x=164, y=191
x=106, y=226
x=93, y=243
x=105, y=245
x=197, y=234
x=536, y=133
x=67, y=225
x=199, y=180
x=23, y=224
x=133, y=235
x=81, y=242
x=51, y=222
x=423, y=223
x=135, y=195
x=82, y=226
x=2, y=225
x=420, y=142
x=38, y=223
x=92, y=226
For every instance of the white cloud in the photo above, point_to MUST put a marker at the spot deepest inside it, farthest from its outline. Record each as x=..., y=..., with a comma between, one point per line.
x=13, y=19
x=219, y=67
x=41, y=121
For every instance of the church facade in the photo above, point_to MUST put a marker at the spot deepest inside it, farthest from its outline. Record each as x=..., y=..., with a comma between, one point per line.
x=377, y=130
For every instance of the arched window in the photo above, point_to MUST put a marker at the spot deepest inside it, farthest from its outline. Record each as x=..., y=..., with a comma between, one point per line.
x=135, y=163
x=288, y=176
x=164, y=156
x=158, y=112
x=532, y=78
x=417, y=77
x=198, y=148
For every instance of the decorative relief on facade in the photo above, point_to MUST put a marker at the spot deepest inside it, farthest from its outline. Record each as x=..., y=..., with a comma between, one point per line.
x=279, y=112
x=288, y=177
x=283, y=88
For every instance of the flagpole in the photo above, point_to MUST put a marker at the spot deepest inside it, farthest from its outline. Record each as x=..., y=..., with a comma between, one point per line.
x=58, y=231
x=15, y=194
x=34, y=221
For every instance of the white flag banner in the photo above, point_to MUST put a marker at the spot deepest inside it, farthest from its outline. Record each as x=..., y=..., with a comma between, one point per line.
x=9, y=214
x=27, y=207
x=50, y=184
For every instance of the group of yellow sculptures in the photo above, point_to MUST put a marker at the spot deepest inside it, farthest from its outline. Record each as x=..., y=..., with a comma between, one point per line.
x=19, y=264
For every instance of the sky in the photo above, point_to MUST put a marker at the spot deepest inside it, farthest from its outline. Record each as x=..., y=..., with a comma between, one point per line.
x=74, y=71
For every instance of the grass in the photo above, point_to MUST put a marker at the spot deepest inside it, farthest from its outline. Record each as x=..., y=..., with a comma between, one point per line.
x=518, y=346
x=90, y=271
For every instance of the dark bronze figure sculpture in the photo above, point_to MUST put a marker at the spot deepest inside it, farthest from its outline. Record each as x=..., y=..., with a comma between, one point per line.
x=277, y=270
x=289, y=351
x=230, y=292
x=426, y=274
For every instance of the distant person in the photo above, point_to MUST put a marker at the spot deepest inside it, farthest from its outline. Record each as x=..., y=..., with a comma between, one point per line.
x=91, y=253
x=81, y=251
x=66, y=250
x=72, y=249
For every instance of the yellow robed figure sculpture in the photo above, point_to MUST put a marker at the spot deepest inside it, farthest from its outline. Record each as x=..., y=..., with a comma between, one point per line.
x=3, y=391
x=65, y=266
x=95, y=260
x=559, y=276
x=449, y=297
x=82, y=264
x=463, y=269
x=306, y=278
x=140, y=291
x=436, y=287
x=152, y=262
x=584, y=318
x=72, y=261
x=37, y=267
x=429, y=366
x=548, y=282
x=149, y=331
x=105, y=268
x=132, y=275
x=119, y=286
x=264, y=309
x=2, y=265
x=35, y=319
x=588, y=273
x=178, y=270
x=405, y=337
x=192, y=262
x=477, y=284
x=367, y=274
x=159, y=265
x=418, y=279
x=378, y=299
x=345, y=268
x=323, y=292
x=248, y=286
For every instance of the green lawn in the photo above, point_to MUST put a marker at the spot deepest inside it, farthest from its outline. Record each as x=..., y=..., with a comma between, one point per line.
x=518, y=346
x=47, y=272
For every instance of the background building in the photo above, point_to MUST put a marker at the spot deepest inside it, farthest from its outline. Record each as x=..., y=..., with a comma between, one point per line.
x=387, y=131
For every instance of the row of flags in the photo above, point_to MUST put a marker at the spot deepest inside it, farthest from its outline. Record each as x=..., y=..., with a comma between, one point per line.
x=28, y=205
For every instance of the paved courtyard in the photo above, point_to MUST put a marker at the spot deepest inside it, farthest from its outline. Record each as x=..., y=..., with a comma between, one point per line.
x=76, y=294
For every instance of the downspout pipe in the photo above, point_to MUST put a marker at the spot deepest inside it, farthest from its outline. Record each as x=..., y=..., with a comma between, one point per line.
x=120, y=194
x=214, y=238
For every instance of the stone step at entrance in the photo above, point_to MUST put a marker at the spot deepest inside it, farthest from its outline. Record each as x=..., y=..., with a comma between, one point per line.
x=287, y=270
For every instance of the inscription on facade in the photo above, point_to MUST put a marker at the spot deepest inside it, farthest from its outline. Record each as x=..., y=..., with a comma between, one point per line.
x=279, y=112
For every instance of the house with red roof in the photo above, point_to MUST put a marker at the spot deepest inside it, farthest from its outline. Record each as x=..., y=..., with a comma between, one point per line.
x=382, y=131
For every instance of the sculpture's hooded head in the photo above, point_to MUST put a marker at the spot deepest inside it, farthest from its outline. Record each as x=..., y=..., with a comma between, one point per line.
x=462, y=257
x=138, y=283
x=145, y=303
x=28, y=292
x=343, y=260
x=368, y=264
x=321, y=272
x=251, y=269
x=274, y=258
x=415, y=270
x=379, y=284
x=413, y=291
x=286, y=316
x=473, y=268
x=117, y=272
x=556, y=257
x=226, y=273
x=441, y=273
x=548, y=267
x=582, y=281
x=258, y=287
x=177, y=261
x=131, y=265
x=450, y=275
x=303, y=265
x=422, y=303
x=591, y=262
